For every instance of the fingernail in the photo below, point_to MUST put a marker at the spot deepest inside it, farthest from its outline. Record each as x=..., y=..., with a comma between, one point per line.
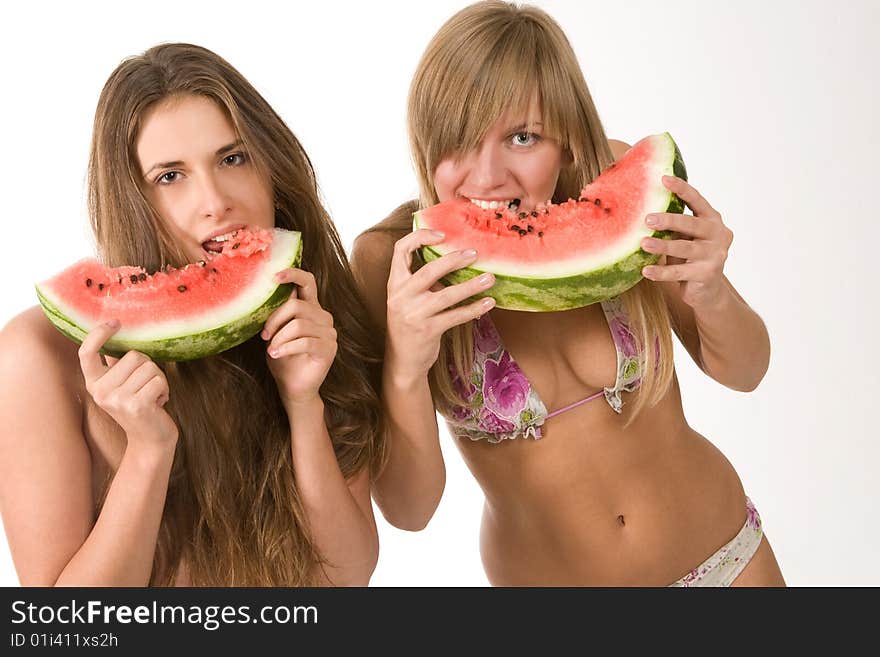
x=647, y=272
x=485, y=279
x=647, y=243
x=470, y=253
x=113, y=323
x=438, y=234
x=488, y=302
x=650, y=220
x=273, y=353
x=264, y=335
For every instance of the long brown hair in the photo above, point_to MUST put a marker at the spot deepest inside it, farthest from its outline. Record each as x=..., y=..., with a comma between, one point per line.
x=489, y=58
x=232, y=511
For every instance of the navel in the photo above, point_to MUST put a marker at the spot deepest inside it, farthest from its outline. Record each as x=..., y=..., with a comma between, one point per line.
x=621, y=521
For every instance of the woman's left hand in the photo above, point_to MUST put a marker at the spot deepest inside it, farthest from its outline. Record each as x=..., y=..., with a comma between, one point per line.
x=697, y=259
x=302, y=340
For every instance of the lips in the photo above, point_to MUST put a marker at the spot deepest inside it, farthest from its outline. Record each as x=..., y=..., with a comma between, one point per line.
x=214, y=243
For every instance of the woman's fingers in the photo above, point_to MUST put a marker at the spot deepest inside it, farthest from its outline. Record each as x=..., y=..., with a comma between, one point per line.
x=156, y=389
x=401, y=260
x=144, y=373
x=688, y=193
x=455, y=294
x=291, y=308
x=684, y=249
x=462, y=314
x=437, y=269
x=307, y=287
x=301, y=328
x=306, y=345
x=89, y=351
x=687, y=225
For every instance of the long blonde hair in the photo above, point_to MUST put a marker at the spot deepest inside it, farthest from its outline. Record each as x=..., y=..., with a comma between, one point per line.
x=489, y=58
x=233, y=511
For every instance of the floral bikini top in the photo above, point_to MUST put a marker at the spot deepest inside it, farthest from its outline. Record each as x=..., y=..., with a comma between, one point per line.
x=503, y=404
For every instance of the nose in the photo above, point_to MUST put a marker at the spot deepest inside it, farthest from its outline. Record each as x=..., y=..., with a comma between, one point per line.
x=213, y=201
x=488, y=170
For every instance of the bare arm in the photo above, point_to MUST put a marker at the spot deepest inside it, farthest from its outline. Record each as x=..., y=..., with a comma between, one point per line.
x=728, y=340
x=340, y=514
x=724, y=336
x=410, y=486
x=46, y=473
x=301, y=349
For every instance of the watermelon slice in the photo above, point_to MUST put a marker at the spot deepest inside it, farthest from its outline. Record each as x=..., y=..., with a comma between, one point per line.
x=177, y=314
x=571, y=254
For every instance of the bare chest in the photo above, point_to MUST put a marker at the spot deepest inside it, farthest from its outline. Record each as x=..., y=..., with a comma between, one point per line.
x=565, y=356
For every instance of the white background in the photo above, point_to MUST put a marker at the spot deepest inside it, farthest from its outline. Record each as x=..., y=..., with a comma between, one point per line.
x=774, y=106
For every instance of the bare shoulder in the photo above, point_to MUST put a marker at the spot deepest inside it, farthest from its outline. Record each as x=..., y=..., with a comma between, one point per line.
x=618, y=148
x=371, y=263
x=45, y=463
x=371, y=258
x=29, y=341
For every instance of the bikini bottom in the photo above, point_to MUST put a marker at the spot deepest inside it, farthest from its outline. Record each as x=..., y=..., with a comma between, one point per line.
x=723, y=567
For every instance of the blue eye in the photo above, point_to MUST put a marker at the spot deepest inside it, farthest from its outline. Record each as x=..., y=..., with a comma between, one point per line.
x=235, y=159
x=525, y=139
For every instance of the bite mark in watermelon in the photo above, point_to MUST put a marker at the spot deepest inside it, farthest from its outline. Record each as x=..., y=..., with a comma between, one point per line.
x=571, y=254
x=178, y=314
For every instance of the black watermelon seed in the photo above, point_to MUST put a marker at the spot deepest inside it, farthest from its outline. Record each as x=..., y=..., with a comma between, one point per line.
x=523, y=232
x=498, y=215
x=607, y=210
x=181, y=288
x=584, y=199
x=88, y=282
x=100, y=286
x=598, y=201
x=514, y=227
x=119, y=280
x=529, y=228
x=214, y=269
x=540, y=233
x=523, y=215
x=534, y=213
x=236, y=245
x=133, y=278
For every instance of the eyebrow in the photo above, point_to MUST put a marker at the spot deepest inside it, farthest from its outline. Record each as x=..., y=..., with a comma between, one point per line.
x=524, y=126
x=176, y=163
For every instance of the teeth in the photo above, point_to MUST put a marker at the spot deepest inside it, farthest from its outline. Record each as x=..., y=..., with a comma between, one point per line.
x=223, y=238
x=489, y=205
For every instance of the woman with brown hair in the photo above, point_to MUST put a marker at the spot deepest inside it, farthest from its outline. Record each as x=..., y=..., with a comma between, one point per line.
x=249, y=468
x=590, y=471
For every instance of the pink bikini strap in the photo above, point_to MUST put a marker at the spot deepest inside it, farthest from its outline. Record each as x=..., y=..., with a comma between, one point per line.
x=577, y=403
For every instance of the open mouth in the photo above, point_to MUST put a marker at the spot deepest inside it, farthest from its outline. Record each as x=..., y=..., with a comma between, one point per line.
x=216, y=243
x=513, y=204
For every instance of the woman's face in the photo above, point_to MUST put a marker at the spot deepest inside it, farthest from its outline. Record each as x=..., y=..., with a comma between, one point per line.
x=515, y=160
x=198, y=176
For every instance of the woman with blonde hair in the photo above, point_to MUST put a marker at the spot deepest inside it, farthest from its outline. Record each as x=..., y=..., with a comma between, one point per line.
x=590, y=471
x=248, y=468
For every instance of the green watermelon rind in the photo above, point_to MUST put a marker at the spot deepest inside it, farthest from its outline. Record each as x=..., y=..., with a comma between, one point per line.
x=582, y=289
x=183, y=347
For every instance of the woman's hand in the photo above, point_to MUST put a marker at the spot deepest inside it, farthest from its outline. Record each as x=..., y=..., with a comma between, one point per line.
x=132, y=389
x=419, y=305
x=697, y=260
x=302, y=340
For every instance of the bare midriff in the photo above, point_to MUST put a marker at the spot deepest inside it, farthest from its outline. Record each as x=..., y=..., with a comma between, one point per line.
x=595, y=504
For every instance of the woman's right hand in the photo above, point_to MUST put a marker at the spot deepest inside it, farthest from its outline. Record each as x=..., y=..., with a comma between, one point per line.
x=419, y=305
x=132, y=389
